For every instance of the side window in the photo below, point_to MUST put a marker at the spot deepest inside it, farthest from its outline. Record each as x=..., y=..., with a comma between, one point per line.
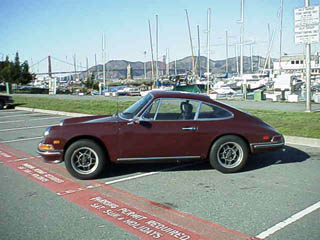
x=212, y=112
x=151, y=111
x=177, y=109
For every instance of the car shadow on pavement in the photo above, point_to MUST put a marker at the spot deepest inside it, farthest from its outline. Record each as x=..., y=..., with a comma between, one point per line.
x=115, y=170
x=13, y=106
x=288, y=155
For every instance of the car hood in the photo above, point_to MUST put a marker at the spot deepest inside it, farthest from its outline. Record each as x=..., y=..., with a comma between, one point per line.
x=90, y=119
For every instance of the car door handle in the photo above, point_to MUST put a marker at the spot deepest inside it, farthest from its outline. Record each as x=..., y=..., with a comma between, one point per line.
x=189, y=128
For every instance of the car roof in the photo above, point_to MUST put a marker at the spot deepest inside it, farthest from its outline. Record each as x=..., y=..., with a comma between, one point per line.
x=177, y=94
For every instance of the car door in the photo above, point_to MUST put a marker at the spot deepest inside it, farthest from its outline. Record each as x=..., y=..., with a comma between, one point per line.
x=165, y=130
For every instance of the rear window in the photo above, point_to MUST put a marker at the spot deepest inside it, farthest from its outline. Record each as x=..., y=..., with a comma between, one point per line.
x=213, y=112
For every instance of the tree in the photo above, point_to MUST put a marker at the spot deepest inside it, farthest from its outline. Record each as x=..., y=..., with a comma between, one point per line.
x=6, y=70
x=26, y=76
x=91, y=83
x=14, y=72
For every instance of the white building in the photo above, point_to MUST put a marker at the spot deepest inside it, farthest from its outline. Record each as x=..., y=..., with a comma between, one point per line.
x=297, y=65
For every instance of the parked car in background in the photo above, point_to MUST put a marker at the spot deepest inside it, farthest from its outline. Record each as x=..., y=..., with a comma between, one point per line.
x=5, y=100
x=160, y=127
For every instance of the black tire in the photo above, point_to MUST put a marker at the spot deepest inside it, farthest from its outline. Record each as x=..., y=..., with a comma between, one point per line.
x=1, y=105
x=85, y=159
x=229, y=154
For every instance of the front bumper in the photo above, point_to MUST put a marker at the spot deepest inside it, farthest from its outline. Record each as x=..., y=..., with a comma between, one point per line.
x=55, y=156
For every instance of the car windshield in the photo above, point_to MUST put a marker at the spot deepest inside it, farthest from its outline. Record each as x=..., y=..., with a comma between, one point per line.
x=134, y=109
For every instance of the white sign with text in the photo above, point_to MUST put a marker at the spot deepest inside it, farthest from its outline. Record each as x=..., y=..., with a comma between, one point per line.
x=307, y=25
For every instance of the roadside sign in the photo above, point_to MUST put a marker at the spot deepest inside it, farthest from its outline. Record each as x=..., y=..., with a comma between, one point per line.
x=307, y=25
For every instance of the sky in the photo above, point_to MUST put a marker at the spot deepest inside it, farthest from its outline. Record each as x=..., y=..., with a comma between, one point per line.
x=64, y=28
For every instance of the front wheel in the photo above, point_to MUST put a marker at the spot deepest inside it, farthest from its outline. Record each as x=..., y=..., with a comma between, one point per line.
x=229, y=154
x=84, y=159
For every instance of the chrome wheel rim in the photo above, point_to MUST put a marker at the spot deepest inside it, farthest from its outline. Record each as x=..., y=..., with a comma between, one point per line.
x=84, y=160
x=230, y=155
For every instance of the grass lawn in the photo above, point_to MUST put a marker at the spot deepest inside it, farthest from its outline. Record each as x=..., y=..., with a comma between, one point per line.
x=95, y=107
x=288, y=123
x=300, y=124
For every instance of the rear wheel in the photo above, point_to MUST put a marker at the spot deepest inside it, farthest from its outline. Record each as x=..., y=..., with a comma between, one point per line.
x=85, y=159
x=1, y=105
x=229, y=154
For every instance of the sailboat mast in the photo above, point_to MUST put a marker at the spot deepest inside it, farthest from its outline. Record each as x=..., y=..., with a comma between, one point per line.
x=281, y=17
x=193, y=63
x=251, y=57
x=227, y=53
x=241, y=37
x=167, y=63
x=199, y=66
x=208, y=45
x=103, y=60
x=152, y=60
x=157, y=47
x=175, y=67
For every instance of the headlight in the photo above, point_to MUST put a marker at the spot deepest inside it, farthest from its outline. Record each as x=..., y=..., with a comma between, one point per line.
x=46, y=133
x=61, y=123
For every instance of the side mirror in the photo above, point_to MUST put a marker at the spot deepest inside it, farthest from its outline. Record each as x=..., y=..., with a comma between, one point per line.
x=135, y=120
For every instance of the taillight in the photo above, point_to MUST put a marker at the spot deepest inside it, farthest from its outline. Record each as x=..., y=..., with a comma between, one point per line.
x=266, y=138
x=277, y=138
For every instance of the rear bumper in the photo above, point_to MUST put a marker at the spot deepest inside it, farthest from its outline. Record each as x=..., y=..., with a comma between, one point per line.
x=51, y=156
x=266, y=147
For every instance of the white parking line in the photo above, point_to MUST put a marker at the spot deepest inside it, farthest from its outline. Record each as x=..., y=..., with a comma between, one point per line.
x=21, y=140
x=36, y=119
x=288, y=221
x=149, y=173
x=21, y=159
x=11, y=111
x=22, y=115
x=23, y=128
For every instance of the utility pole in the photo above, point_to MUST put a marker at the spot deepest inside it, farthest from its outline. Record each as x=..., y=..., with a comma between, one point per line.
x=208, y=43
x=308, y=70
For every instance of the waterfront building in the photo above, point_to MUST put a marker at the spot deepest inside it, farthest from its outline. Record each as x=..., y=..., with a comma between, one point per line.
x=297, y=65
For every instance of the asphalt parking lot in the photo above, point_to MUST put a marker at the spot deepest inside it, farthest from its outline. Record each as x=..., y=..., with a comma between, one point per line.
x=277, y=196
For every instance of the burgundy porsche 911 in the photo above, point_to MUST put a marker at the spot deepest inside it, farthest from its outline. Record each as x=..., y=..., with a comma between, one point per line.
x=162, y=126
